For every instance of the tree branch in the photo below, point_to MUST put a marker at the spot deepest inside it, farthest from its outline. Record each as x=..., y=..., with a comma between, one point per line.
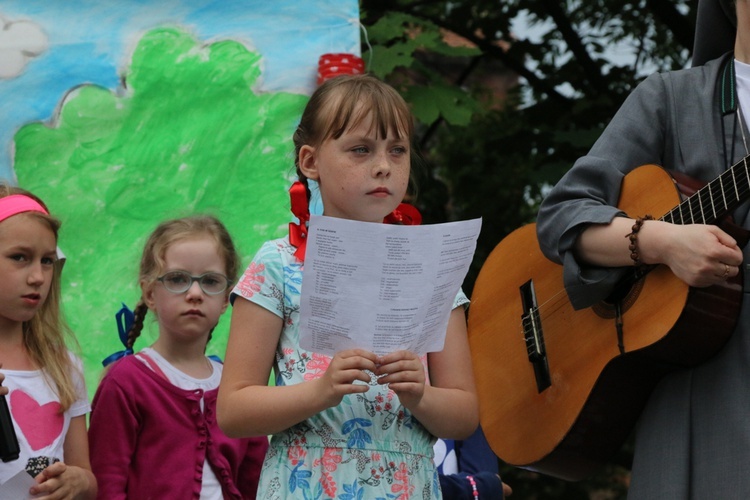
x=591, y=69
x=679, y=24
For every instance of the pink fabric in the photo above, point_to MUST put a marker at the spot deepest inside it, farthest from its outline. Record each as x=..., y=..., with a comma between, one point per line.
x=41, y=424
x=18, y=203
x=148, y=439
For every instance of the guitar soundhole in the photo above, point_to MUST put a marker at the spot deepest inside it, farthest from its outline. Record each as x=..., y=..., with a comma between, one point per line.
x=626, y=294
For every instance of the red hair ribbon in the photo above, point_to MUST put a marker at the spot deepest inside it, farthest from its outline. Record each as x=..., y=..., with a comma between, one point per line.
x=405, y=214
x=301, y=210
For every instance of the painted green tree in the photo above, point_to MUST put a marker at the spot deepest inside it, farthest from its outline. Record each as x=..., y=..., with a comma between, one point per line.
x=185, y=133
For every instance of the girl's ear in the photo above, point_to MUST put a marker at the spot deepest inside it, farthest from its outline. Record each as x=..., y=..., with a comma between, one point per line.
x=308, y=164
x=147, y=291
x=226, y=304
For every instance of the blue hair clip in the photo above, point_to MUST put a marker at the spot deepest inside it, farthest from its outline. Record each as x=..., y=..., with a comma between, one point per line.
x=124, y=318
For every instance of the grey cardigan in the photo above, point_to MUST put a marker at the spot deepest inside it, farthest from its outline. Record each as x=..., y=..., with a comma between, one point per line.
x=693, y=439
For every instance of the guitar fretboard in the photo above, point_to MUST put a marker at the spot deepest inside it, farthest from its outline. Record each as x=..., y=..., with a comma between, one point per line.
x=716, y=199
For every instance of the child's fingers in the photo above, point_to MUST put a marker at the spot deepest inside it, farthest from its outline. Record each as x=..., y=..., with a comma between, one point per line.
x=346, y=368
x=398, y=357
x=360, y=356
x=348, y=376
x=399, y=362
x=354, y=359
x=53, y=470
x=48, y=481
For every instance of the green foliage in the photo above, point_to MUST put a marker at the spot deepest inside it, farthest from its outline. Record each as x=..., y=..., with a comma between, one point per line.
x=400, y=38
x=503, y=118
x=440, y=99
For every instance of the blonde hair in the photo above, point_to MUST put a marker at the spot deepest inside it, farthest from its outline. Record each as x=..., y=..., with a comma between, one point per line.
x=341, y=103
x=46, y=335
x=168, y=233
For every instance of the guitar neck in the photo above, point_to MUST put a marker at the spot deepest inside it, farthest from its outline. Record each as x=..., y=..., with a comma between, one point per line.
x=716, y=199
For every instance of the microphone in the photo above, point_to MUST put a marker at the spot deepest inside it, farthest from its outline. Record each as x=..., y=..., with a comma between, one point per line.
x=9, y=449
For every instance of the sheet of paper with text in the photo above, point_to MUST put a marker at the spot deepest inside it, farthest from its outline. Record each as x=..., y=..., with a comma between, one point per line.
x=382, y=287
x=18, y=486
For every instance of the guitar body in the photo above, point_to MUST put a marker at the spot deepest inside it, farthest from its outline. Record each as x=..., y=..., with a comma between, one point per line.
x=597, y=385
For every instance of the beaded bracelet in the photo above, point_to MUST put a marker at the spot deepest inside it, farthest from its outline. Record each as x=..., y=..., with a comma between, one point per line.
x=633, y=236
x=473, y=483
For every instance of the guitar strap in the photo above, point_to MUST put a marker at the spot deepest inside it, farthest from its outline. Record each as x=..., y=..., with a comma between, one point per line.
x=729, y=104
x=618, y=326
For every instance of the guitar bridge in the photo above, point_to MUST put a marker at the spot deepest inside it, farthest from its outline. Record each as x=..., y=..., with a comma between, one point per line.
x=534, y=336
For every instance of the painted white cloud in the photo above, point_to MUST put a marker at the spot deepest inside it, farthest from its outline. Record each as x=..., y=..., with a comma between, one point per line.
x=20, y=41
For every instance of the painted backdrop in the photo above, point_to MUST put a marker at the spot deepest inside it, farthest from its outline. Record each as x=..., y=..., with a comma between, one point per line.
x=122, y=114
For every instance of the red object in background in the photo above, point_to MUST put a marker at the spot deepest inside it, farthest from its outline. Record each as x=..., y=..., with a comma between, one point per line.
x=331, y=65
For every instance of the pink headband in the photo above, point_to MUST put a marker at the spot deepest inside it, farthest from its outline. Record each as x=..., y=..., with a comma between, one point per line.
x=19, y=203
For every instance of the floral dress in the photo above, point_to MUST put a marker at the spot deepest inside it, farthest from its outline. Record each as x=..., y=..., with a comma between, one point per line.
x=367, y=447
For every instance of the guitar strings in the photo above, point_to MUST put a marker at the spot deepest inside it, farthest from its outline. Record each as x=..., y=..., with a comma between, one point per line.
x=550, y=306
x=709, y=193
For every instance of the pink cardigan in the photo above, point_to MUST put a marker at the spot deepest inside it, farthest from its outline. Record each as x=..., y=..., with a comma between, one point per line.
x=148, y=439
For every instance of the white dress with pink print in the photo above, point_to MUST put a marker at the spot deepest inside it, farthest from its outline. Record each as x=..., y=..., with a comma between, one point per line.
x=367, y=447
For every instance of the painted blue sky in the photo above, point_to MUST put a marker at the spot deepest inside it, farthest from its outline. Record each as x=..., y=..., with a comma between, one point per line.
x=50, y=47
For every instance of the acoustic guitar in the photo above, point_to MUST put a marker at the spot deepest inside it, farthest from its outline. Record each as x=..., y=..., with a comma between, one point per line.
x=561, y=389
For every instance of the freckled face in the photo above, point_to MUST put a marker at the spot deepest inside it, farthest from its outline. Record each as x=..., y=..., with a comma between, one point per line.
x=361, y=176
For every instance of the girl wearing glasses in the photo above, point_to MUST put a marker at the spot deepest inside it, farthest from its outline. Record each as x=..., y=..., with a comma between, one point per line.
x=153, y=431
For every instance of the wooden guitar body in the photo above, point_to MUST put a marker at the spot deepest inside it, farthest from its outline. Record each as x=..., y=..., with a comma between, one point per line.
x=568, y=414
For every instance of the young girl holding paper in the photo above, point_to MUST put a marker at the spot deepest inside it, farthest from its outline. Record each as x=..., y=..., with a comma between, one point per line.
x=356, y=425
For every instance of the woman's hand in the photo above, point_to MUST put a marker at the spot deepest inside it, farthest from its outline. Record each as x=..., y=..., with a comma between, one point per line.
x=699, y=254
x=404, y=373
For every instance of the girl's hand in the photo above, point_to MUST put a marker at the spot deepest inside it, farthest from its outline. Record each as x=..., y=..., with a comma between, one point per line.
x=60, y=481
x=404, y=373
x=346, y=367
x=507, y=490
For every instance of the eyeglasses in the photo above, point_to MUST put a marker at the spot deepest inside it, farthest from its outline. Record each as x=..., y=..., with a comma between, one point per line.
x=181, y=281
